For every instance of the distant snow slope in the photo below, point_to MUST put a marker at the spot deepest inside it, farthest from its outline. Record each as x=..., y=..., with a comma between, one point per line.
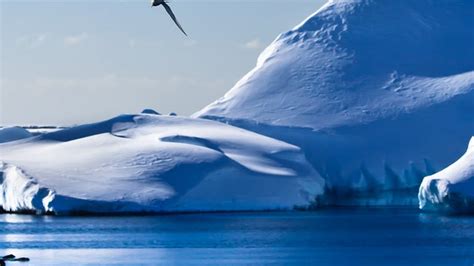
x=8, y=134
x=451, y=189
x=135, y=163
x=378, y=94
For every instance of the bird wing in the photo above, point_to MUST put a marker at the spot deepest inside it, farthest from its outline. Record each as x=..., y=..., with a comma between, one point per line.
x=168, y=9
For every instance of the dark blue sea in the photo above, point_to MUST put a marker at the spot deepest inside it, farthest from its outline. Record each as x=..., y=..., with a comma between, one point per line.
x=325, y=237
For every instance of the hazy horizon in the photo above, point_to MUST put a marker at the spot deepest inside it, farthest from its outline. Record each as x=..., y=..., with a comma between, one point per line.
x=67, y=62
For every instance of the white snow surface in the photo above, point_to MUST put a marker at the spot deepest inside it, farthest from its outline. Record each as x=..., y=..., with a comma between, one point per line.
x=451, y=189
x=358, y=61
x=378, y=94
x=150, y=163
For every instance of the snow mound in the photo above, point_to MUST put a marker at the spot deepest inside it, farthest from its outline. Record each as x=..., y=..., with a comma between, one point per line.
x=8, y=134
x=378, y=94
x=451, y=189
x=150, y=163
x=357, y=61
x=150, y=112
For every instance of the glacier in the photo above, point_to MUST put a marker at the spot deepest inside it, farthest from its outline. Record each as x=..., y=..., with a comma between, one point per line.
x=152, y=163
x=452, y=189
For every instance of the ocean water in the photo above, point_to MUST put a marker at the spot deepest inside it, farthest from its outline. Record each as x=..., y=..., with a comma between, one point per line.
x=325, y=237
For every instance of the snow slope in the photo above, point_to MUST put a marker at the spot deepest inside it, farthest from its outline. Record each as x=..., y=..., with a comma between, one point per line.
x=378, y=94
x=451, y=189
x=357, y=61
x=152, y=163
x=8, y=134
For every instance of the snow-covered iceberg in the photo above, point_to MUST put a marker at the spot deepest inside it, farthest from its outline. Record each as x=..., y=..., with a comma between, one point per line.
x=452, y=189
x=378, y=94
x=354, y=106
x=150, y=163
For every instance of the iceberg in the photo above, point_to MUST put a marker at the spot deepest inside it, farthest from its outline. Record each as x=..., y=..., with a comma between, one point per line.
x=355, y=106
x=452, y=189
x=151, y=163
x=378, y=94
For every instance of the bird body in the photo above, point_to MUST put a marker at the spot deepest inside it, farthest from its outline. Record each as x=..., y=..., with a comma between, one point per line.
x=170, y=12
x=157, y=2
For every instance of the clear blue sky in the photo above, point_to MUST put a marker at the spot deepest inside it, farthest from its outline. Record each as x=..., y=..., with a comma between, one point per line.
x=71, y=61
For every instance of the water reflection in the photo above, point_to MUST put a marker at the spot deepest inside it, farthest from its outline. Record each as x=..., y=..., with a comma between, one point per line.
x=325, y=237
x=23, y=218
x=16, y=218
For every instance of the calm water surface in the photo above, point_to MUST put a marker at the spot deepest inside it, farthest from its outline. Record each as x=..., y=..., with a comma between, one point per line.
x=326, y=237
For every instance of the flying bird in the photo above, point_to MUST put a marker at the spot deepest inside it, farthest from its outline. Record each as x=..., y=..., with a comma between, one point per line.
x=170, y=12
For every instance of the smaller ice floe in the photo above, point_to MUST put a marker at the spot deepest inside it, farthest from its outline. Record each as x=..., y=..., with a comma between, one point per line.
x=452, y=189
x=8, y=134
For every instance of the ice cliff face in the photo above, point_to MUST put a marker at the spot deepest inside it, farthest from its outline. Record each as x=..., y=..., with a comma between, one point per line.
x=378, y=94
x=20, y=192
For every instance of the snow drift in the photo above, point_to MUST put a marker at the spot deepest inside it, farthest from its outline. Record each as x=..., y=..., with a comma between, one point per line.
x=452, y=189
x=151, y=163
x=378, y=94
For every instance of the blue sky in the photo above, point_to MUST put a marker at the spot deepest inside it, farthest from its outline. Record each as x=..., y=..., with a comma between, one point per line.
x=65, y=62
